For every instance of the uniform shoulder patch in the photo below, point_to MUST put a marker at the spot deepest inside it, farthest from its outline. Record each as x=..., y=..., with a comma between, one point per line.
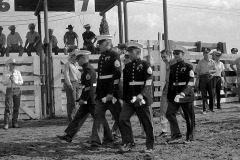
x=117, y=63
x=149, y=70
x=191, y=73
x=88, y=76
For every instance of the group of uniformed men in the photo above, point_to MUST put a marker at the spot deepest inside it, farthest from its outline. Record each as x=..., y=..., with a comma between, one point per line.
x=101, y=93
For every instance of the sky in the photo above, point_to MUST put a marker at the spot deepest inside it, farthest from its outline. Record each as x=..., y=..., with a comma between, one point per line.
x=188, y=20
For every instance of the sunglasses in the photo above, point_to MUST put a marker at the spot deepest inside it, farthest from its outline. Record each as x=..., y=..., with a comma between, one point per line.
x=177, y=52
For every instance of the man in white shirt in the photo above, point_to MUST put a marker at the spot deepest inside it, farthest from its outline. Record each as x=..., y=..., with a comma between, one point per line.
x=217, y=77
x=2, y=42
x=12, y=79
x=14, y=41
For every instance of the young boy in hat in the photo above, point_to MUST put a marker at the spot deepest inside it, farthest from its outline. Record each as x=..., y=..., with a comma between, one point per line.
x=69, y=40
x=89, y=39
x=12, y=79
x=32, y=40
x=2, y=42
x=14, y=41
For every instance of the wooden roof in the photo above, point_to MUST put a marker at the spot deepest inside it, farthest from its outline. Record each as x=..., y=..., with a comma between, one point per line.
x=60, y=5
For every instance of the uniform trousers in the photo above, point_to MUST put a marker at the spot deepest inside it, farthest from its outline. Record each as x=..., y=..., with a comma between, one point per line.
x=188, y=110
x=100, y=125
x=14, y=47
x=72, y=95
x=144, y=117
x=12, y=104
x=217, y=89
x=206, y=87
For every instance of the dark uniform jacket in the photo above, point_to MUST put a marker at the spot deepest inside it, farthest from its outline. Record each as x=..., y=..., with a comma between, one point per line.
x=181, y=75
x=109, y=74
x=137, y=79
x=88, y=81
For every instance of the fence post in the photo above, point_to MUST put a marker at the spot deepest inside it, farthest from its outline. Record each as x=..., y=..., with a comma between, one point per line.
x=37, y=87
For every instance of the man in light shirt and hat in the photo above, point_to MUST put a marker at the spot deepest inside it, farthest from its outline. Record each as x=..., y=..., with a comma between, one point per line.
x=72, y=77
x=12, y=79
x=14, y=41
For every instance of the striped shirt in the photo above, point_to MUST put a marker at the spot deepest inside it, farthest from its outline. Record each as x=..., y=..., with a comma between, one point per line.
x=71, y=73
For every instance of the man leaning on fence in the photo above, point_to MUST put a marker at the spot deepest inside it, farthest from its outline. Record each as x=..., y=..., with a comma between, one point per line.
x=14, y=42
x=12, y=79
x=204, y=70
x=71, y=85
x=2, y=42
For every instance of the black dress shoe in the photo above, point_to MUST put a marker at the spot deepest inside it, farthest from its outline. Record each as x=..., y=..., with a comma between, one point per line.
x=163, y=134
x=212, y=111
x=175, y=138
x=126, y=147
x=95, y=145
x=65, y=138
x=15, y=125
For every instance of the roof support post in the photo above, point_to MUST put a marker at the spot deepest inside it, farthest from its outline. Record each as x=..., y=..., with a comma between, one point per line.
x=120, y=22
x=125, y=20
x=165, y=24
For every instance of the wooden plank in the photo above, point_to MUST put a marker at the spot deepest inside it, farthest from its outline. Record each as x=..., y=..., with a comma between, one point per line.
x=157, y=83
x=23, y=68
x=157, y=94
x=57, y=74
x=58, y=100
x=25, y=78
x=19, y=60
x=29, y=112
x=23, y=98
x=37, y=102
x=25, y=103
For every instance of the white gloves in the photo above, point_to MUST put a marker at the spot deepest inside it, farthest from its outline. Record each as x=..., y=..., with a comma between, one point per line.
x=104, y=100
x=140, y=98
x=181, y=95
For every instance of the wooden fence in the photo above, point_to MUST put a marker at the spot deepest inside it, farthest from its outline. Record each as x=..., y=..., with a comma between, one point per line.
x=30, y=107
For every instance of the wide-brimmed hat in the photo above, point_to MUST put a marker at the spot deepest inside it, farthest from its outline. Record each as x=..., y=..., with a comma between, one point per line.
x=11, y=27
x=206, y=49
x=69, y=27
x=50, y=30
x=234, y=50
x=10, y=61
x=217, y=53
x=87, y=26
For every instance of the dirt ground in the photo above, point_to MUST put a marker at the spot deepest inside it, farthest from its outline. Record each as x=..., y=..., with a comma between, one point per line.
x=217, y=137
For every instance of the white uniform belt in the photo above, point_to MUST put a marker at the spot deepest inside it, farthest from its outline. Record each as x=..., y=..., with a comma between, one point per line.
x=136, y=83
x=179, y=83
x=94, y=84
x=106, y=76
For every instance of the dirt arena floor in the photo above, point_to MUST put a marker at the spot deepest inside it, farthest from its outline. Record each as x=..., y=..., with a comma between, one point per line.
x=217, y=137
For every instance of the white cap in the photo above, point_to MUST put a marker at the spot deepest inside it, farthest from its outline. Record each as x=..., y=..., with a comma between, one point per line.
x=104, y=37
x=82, y=53
x=134, y=44
x=10, y=61
x=180, y=48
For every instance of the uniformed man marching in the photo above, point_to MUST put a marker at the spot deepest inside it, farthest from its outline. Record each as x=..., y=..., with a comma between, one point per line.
x=87, y=99
x=137, y=97
x=107, y=94
x=180, y=94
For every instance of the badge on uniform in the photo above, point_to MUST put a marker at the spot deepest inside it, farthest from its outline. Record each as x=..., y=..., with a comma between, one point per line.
x=149, y=70
x=191, y=74
x=117, y=63
x=139, y=67
x=183, y=69
x=88, y=76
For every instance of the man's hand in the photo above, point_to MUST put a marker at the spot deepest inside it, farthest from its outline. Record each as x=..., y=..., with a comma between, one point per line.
x=109, y=97
x=81, y=102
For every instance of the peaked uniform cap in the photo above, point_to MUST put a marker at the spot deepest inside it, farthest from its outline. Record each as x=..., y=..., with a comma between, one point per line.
x=205, y=49
x=74, y=52
x=87, y=26
x=180, y=48
x=134, y=44
x=81, y=53
x=104, y=37
x=10, y=61
x=217, y=53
